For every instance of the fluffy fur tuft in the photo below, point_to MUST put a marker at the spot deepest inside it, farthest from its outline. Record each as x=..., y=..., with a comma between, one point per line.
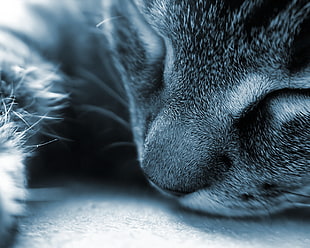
x=32, y=92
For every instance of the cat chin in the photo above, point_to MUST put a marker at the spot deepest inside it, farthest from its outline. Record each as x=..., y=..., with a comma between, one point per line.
x=219, y=204
x=202, y=202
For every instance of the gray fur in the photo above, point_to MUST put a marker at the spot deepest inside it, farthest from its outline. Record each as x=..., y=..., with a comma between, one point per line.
x=219, y=117
x=219, y=103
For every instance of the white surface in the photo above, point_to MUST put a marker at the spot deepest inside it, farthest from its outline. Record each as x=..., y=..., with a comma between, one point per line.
x=108, y=216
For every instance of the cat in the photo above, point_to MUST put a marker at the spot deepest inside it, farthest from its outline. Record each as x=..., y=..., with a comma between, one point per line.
x=218, y=94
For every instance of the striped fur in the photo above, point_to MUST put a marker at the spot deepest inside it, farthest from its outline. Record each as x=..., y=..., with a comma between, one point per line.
x=217, y=91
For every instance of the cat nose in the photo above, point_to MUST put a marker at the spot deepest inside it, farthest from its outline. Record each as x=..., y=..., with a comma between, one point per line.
x=178, y=162
x=182, y=178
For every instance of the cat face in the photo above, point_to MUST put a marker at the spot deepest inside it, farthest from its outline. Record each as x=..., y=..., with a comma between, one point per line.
x=219, y=99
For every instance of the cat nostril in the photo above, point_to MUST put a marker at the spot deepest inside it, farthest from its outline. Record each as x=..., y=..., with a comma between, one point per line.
x=247, y=197
x=225, y=161
x=221, y=165
x=268, y=186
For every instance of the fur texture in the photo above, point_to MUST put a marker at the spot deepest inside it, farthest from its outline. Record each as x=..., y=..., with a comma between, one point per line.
x=220, y=104
x=217, y=91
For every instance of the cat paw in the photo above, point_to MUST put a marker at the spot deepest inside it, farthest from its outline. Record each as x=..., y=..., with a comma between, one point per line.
x=7, y=226
x=12, y=193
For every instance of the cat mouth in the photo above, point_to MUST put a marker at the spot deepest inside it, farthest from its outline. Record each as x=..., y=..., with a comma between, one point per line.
x=227, y=199
x=245, y=204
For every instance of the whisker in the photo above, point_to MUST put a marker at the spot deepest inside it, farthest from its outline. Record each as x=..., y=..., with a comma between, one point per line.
x=12, y=98
x=47, y=117
x=53, y=135
x=107, y=20
x=21, y=117
x=297, y=194
x=42, y=144
x=300, y=204
x=34, y=124
x=107, y=113
x=8, y=107
x=118, y=144
x=104, y=86
x=5, y=111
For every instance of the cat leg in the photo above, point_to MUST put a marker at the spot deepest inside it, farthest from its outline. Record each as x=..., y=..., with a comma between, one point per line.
x=12, y=177
x=31, y=93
